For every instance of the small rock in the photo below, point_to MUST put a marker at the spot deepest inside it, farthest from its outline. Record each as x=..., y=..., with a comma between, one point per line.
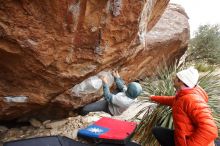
x=56, y=124
x=46, y=122
x=94, y=116
x=35, y=123
x=24, y=128
x=3, y=129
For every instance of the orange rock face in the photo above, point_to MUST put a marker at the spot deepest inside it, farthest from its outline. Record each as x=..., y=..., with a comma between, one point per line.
x=47, y=47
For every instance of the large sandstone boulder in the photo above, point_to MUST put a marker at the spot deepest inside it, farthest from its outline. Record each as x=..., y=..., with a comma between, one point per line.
x=165, y=43
x=47, y=47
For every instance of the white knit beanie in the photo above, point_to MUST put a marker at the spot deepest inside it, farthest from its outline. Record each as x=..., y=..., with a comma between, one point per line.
x=189, y=76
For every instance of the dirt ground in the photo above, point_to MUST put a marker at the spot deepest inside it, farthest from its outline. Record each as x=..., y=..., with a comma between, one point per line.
x=66, y=127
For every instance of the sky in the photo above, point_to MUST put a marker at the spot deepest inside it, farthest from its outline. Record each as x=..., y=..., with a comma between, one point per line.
x=200, y=12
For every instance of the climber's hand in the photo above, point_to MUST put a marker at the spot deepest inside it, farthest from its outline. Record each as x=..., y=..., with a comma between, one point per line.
x=104, y=79
x=116, y=74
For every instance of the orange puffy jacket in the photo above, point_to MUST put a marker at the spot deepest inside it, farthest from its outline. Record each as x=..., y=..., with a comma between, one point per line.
x=192, y=118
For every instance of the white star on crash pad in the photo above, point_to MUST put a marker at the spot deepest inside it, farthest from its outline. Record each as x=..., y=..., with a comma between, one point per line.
x=95, y=130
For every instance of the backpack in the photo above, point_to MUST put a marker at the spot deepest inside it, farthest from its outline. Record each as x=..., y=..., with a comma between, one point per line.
x=45, y=141
x=57, y=141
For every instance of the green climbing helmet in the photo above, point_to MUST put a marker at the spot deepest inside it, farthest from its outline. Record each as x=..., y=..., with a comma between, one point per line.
x=134, y=90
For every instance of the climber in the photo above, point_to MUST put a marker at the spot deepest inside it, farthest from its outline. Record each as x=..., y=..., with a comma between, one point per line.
x=114, y=104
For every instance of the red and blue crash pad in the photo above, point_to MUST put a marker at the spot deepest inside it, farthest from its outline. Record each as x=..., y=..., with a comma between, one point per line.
x=109, y=130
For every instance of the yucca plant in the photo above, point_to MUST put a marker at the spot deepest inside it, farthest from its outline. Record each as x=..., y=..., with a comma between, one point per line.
x=162, y=115
x=211, y=84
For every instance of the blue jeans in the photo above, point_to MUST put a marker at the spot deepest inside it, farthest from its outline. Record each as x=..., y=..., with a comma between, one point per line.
x=101, y=105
